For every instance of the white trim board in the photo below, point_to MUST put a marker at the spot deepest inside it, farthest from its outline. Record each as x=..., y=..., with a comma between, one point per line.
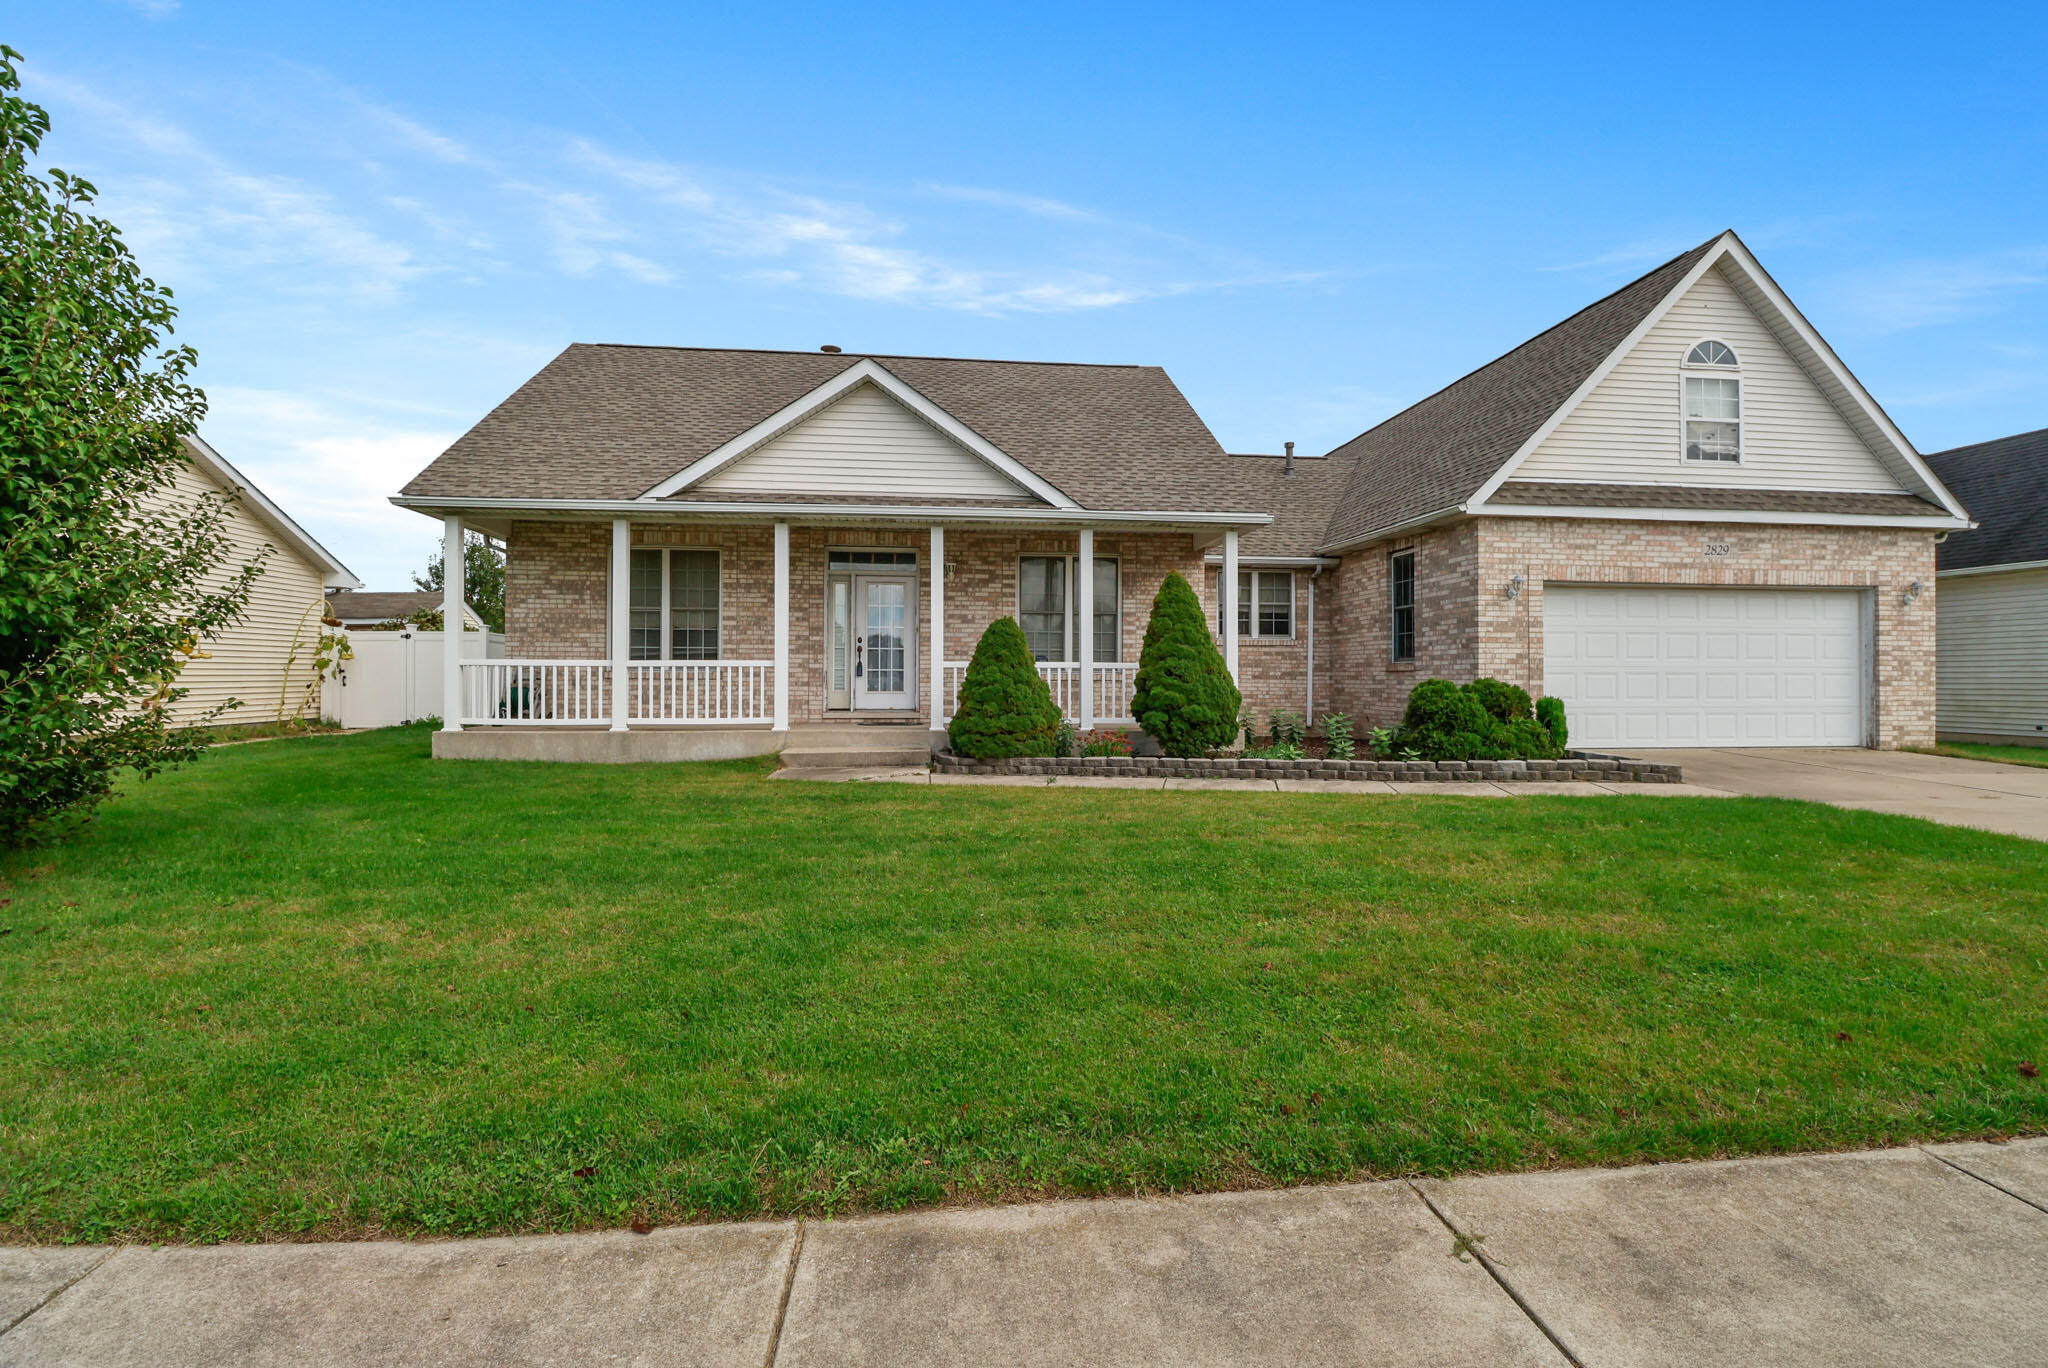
x=662, y=510
x=865, y=371
x=1725, y=515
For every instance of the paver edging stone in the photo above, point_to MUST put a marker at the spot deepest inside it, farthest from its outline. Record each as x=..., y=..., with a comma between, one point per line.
x=1580, y=765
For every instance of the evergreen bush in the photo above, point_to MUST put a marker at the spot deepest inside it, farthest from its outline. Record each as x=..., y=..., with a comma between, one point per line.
x=1005, y=707
x=1503, y=701
x=1446, y=722
x=1550, y=712
x=1184, y=696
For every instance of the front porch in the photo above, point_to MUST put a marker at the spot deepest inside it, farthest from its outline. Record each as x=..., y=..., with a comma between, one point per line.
x=721, y=639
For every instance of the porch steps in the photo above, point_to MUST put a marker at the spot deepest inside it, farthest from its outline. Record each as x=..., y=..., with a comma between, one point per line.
x=858, y=747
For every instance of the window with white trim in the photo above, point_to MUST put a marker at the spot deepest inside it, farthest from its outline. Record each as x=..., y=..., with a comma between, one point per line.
x=674, y=608
x=1048, y=614
x=1265, y=605
x=1401, y=598
x=1713, y=404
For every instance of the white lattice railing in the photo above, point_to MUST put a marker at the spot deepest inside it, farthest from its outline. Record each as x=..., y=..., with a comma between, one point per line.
x=700, y=691
x=523, y=692
x=1113, y=684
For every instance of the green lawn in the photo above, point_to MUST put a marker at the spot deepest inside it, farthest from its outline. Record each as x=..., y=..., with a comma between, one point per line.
x=328, y=987
x=2037, y=756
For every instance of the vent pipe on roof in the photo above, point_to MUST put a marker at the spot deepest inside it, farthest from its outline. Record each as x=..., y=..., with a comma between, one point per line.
x=828, y=347
x=1288, y=469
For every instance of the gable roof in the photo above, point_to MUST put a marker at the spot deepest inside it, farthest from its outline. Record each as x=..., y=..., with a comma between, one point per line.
x=1436, y=454
x=333, y=574
x=2005, y=484
x=616, y=422
x=1300, y=503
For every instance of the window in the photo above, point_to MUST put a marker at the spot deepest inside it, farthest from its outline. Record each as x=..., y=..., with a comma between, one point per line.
x=1047, y=613
x=1265, y=604
x=673, y=610
x=1401, y=593
x=1713, y=405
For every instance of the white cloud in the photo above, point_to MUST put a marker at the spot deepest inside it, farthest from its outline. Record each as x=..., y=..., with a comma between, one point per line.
x=1915, y=294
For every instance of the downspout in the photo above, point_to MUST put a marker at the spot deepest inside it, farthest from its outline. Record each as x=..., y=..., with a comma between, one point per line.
x=1311, y=714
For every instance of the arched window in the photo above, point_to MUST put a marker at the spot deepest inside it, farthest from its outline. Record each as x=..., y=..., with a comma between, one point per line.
x=1713, y=405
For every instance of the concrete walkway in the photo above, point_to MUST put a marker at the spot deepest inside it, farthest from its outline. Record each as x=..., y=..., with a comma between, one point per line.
x=1973, y=793
x=1573, y=789
x=1919, y=1257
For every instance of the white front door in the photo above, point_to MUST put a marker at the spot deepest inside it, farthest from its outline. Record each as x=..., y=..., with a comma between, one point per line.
x=884, y=642
x=1705, y=667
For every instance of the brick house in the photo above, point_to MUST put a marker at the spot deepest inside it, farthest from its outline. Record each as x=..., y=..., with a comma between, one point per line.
x=1676, y=510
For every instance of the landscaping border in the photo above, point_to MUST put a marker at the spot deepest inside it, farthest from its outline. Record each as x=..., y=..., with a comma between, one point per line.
x=1579, y=765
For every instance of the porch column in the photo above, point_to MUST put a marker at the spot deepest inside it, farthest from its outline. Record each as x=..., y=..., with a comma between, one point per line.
x=782, y=626
x=937, y=664
x=1228, y=593
x=451, y=623
x=621, y=604
x=1084, y=608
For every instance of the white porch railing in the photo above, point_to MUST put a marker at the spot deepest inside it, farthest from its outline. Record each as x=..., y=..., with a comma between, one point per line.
x=534, y=692
x=700, y=691
x=578, y=692
x=1114, y=682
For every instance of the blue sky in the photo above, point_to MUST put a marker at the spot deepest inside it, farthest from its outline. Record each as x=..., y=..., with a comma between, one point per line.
x=380, y=218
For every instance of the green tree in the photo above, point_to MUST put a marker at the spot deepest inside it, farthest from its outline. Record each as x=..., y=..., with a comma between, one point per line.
x=1184, y=696
x=483, y=578
x=109, y=579
x=1005, y=707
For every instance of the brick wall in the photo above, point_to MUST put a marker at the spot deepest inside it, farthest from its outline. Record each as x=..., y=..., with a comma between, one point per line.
x=555, y=590
x=1357, y=673
x=1599, y=551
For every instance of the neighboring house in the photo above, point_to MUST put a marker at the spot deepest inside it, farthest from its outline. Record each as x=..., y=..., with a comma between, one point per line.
x=252, y=660
x=375, y=607
x=1676, y=510
x=1994, y=594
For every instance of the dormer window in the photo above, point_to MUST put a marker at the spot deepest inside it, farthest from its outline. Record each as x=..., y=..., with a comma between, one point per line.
x=1713, y=404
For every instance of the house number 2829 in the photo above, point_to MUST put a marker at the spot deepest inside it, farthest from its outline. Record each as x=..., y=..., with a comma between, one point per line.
x=1717, y=548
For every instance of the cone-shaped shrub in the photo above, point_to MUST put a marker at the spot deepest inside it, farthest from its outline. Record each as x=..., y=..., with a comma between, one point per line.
x=1184, y=697
x=1005, y=708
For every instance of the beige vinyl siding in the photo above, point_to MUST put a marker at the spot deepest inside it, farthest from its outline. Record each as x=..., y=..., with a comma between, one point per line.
x=1991, y=654
x=1628, y=430
x=247, y=660
x=864, y=443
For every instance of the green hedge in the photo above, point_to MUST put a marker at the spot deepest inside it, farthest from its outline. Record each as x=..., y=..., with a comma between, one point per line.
x=1487, y=719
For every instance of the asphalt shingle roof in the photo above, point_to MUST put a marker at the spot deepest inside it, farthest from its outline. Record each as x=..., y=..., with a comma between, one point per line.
x=2004, y=484
x=611, y=422
x=1436, y=454
x=361, y=605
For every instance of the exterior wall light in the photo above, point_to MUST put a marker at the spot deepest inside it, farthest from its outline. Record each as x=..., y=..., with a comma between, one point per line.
x=1912, y=595
x=1515, y=587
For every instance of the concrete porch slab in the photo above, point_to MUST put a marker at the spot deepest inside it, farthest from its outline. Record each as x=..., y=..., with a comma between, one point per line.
x=697, y=1295
x=1882, y=1258
x=1324, y=1276
x=599, y=746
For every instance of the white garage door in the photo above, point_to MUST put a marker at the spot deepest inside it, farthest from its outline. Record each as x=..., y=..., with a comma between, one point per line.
x=1706, y=667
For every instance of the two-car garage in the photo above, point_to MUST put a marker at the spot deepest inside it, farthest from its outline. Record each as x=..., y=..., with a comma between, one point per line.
x=1659, y=665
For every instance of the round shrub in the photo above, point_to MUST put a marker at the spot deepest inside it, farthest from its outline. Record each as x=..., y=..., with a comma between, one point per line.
x=1184, y=696
x=1503, y=701
x=1443, y=722
x=1550, y=712
x=1005, y=708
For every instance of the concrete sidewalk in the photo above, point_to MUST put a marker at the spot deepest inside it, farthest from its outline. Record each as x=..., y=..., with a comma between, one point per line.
x=1910, y=1257
x=1577, y=788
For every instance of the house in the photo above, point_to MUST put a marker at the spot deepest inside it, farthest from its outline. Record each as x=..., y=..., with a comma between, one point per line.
x=1676, y=510
x=1993, y=640
x=265, y=660
x=373, y=608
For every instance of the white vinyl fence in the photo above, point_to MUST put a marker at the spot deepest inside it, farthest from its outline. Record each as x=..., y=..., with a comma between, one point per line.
x=395, y=677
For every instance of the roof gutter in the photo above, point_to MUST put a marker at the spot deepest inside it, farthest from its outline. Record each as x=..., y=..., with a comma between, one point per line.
x=669, y=509
x=2006, y=568
x=1728, y=515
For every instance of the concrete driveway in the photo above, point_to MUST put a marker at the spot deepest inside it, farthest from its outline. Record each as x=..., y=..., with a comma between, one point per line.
x=1973, y=793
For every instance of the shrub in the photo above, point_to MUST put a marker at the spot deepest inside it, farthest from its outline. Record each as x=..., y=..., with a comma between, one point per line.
x=1550, y=712
x=1445, y=722
x=1066, y=740
x=1502, y=701
x=1279, y=750
x=1337, y=731
x=1287, y=729
x=1104, y=741
x=1184, y=696
x=1005, y=707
